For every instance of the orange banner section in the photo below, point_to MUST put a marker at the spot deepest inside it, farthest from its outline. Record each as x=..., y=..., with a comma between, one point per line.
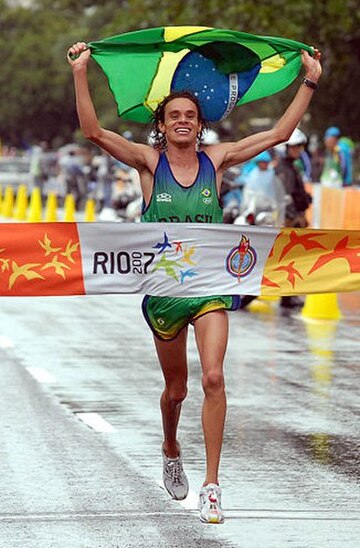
x=43, y=254
x=313, y=261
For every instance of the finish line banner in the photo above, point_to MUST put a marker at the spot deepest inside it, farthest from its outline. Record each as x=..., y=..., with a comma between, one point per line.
x=175, y=259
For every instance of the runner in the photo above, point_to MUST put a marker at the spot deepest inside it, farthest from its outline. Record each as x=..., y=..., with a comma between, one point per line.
x=181, y=182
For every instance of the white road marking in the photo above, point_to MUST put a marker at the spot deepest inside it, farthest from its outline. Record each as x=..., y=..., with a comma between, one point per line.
x=68, y=516
x=5, y=342
x=41, y=375
x=279, y=515
x=96, y=422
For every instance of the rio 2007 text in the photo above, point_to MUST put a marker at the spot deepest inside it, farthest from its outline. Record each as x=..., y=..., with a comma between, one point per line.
x=122, y=262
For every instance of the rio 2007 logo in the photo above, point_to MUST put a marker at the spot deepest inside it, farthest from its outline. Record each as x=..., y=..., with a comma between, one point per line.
x=174, y=259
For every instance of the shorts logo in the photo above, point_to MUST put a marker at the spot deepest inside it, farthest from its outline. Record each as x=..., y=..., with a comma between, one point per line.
x=207, y=198
x=241, y=259
x=163, y=197
x=160, y=321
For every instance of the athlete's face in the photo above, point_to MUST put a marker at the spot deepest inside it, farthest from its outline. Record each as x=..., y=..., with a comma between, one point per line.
x=181, y=121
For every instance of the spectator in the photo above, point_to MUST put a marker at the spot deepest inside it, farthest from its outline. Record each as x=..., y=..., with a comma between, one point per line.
x=265, y=190
x=104, y=164
x=304, y=164
x=337, y=170
x=347, y=146
x=293, y=182
x=71, y=165
x=37, y=164
x=294, y=187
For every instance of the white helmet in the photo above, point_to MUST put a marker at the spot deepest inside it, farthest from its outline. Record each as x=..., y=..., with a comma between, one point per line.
x=297, y=138
x=151, y=141
x=210, y=137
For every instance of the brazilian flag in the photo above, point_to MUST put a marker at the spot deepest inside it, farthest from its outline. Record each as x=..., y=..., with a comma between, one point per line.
x=222, y=68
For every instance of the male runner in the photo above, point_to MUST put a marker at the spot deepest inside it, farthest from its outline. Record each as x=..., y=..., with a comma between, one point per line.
x=184, y=172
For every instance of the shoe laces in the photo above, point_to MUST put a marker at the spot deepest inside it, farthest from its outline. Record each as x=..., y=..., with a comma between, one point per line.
x=174, y=469
x=211, y=496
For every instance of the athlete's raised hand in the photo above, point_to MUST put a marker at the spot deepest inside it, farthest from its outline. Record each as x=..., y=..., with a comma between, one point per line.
x=312, y=64
x=78, y=55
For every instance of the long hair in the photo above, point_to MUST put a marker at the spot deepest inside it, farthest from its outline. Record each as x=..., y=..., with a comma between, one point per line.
x=158, y=138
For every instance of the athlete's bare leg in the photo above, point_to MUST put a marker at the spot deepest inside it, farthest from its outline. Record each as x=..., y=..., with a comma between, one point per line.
x=211, y=332
x=172, y=357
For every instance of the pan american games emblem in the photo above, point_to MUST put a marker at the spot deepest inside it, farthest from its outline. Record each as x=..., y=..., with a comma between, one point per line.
x=241, y=259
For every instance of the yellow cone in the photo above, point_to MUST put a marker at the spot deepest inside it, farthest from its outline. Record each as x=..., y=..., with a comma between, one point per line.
x=35, y=208
x=21, y=203
x=261, y=306
x=323, y=306
x=8, y=202
x=69, y=207
x=90, y=216
x=51, y=208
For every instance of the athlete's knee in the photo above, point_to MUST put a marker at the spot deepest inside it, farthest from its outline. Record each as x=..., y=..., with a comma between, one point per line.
x=213, y=382
x=175, y=395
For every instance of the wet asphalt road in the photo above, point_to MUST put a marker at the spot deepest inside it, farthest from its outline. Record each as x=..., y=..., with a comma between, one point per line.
x=290, y=468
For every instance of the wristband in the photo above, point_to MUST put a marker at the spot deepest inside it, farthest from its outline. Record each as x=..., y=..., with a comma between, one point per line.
x=309, y=83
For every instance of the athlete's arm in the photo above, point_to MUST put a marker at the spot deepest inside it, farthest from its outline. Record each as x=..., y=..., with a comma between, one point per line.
x=139, y=156
x=230, y=154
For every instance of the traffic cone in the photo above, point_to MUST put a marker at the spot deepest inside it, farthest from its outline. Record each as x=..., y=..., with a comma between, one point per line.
x=51, y=208
x=262, y=305
x=21, y=203
x=90, y=211
x=35, y=207
x=69, y=208
x=8, y=202
x=322, y=306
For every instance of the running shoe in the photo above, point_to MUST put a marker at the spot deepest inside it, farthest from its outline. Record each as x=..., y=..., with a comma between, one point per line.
x=174, y=477
x=210, y=504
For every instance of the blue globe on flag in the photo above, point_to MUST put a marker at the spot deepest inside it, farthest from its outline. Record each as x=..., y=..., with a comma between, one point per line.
x=216, y=91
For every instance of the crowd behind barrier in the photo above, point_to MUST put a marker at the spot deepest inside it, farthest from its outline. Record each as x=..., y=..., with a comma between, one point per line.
x=88, y=174
x=330, y=208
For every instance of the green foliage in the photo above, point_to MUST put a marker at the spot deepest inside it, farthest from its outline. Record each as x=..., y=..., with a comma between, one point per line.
x=36, y=84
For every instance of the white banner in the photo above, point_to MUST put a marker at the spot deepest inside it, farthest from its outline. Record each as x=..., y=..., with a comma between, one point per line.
x=174, y=259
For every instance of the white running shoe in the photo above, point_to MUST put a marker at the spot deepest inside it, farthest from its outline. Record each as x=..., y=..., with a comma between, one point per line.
x=210, y=504
x=174, y=477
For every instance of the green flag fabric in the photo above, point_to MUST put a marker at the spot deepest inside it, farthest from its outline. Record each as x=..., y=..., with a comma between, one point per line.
x=223, y=68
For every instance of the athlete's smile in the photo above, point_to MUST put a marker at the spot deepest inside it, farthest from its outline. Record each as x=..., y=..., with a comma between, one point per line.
x=183, y=130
